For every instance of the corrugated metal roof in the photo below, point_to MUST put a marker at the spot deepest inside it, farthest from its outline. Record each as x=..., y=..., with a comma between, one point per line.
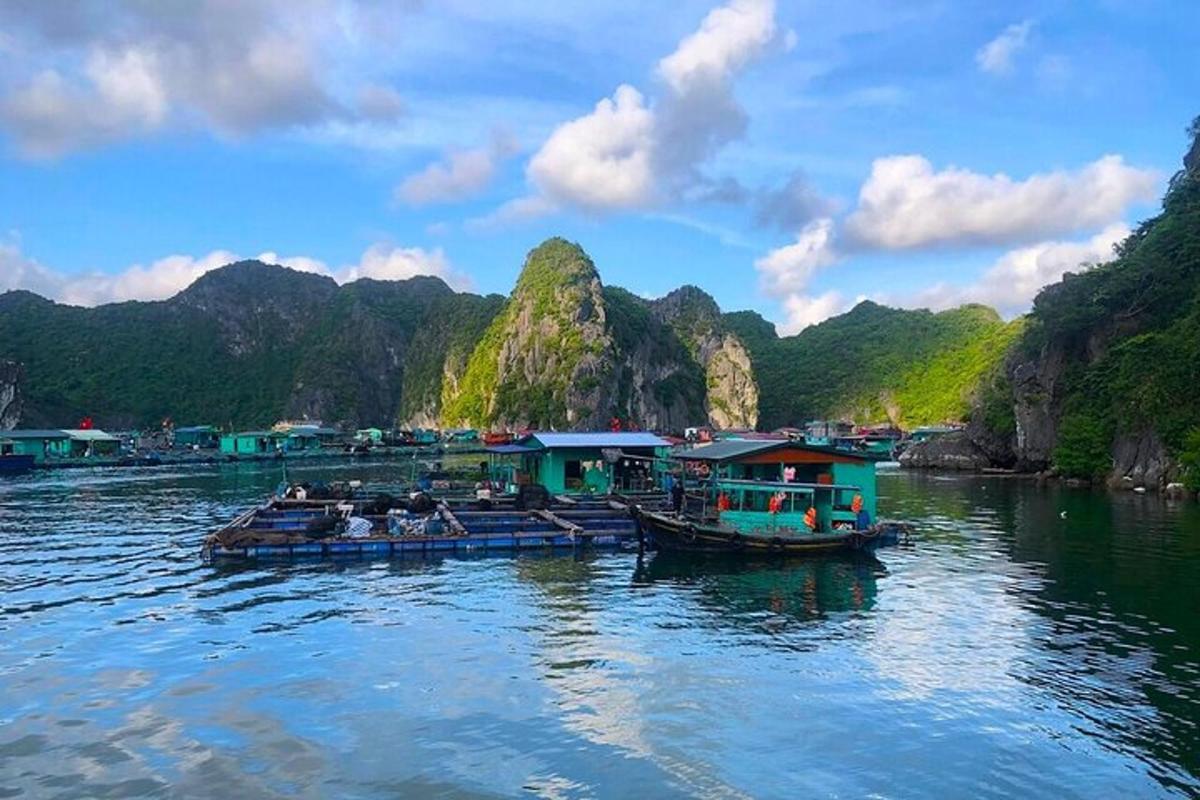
x=90, y=435
x=195, y=429
x=733, y=449
x=728, y=449
x=509, y=449
x=598, y=439
x=35, y=434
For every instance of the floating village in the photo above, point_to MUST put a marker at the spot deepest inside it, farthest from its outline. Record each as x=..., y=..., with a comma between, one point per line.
x=786, y=492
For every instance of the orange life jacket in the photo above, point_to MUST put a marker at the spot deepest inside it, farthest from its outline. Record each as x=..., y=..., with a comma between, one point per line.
x=810, y=518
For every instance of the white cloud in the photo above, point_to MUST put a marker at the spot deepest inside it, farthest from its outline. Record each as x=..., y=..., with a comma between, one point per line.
x=728, y=38
x=51, y=116
x=461, y=174
x=377, y=103
x=906, y=204
x=516, y=211
x=168, y=276
x=791, y=267
x=787, y=271
x=602, y=160
x=387, y=263
x=996, y=57
x=805, y=310
x=94, y=73
x=628, y=153
x=1011, y=283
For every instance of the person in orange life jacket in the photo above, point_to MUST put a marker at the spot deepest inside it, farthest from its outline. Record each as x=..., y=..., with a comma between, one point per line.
x=723, y=503
x=862, y=519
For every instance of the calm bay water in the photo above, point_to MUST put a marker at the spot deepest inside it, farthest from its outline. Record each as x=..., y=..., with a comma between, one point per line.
x=1008, y=652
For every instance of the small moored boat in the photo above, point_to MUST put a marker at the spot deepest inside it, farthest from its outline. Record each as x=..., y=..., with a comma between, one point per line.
x=783, y=497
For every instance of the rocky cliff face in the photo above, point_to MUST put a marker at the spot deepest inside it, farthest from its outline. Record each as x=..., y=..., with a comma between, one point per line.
x=1036, y=406
x=11, y=400
x=1102, y=380
x=731, y=397
x=546, y=360
x=566, y=352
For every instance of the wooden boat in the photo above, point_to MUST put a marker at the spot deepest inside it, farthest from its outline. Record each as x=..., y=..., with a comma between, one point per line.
x=772, y=497
x=288, y=528
x=670, y=532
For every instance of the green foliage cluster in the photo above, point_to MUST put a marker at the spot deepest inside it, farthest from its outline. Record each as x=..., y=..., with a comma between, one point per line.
x=1084, y=448
x=875, y=363
x=1129, y=329
x=553, y=293
x=242, y=347
x=1189, y=459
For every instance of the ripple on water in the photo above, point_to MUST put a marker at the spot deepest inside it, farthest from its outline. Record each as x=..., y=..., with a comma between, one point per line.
x=1009, y=652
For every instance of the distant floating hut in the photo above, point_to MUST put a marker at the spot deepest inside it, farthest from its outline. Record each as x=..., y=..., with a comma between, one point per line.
x=369, y=435
x=41, y=444
x=197, y=436
x=251, y=442
x=584, y=463
x=92, y=442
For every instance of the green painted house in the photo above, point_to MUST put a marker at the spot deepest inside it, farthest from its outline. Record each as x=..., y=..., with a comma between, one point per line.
x=41, y=444
x=826, y=479
x=92, y=442
x=201, y=436
x=46, y=445
x=369, y=435
x=587, y=463
x=251, y=443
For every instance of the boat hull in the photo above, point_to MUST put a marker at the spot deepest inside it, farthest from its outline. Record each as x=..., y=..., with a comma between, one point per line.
x=15, y=464
x=674, y=533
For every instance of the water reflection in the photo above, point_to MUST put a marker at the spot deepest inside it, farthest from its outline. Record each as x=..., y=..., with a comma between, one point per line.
x=732, y=588
x=1035, y=642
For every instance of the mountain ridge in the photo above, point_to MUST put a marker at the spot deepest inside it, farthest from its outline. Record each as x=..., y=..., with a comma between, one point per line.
x=249, y=343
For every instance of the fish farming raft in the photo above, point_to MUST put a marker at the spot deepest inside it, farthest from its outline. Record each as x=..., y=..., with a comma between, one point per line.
x=288, y=528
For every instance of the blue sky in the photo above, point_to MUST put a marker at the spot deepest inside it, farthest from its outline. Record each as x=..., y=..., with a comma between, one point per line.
x=786, y=157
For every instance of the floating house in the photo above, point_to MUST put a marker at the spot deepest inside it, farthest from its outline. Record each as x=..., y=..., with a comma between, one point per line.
x=585, y=463
x=89, y=442
x=197, y=436
x=251, y=442
x=369, y=435
x=50, y=444
x=927, y=432
x=826, y=431
x=424, y=436
x=826, y=479
x=41, y=444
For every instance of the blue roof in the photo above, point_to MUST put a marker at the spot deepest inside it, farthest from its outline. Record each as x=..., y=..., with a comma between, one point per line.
x=735, y=449
x=550, y=439
x=509, y=449
x=35, y=434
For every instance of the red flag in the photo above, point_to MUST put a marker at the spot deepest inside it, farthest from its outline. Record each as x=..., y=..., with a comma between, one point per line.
x=85, y=424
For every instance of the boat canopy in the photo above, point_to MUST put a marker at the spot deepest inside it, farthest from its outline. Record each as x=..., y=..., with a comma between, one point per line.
x=781, y=451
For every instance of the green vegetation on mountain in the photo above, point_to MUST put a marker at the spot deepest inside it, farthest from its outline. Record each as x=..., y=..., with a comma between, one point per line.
x=250, y=343
x=1111, y=355
x=875, y=363
x=537, y=350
